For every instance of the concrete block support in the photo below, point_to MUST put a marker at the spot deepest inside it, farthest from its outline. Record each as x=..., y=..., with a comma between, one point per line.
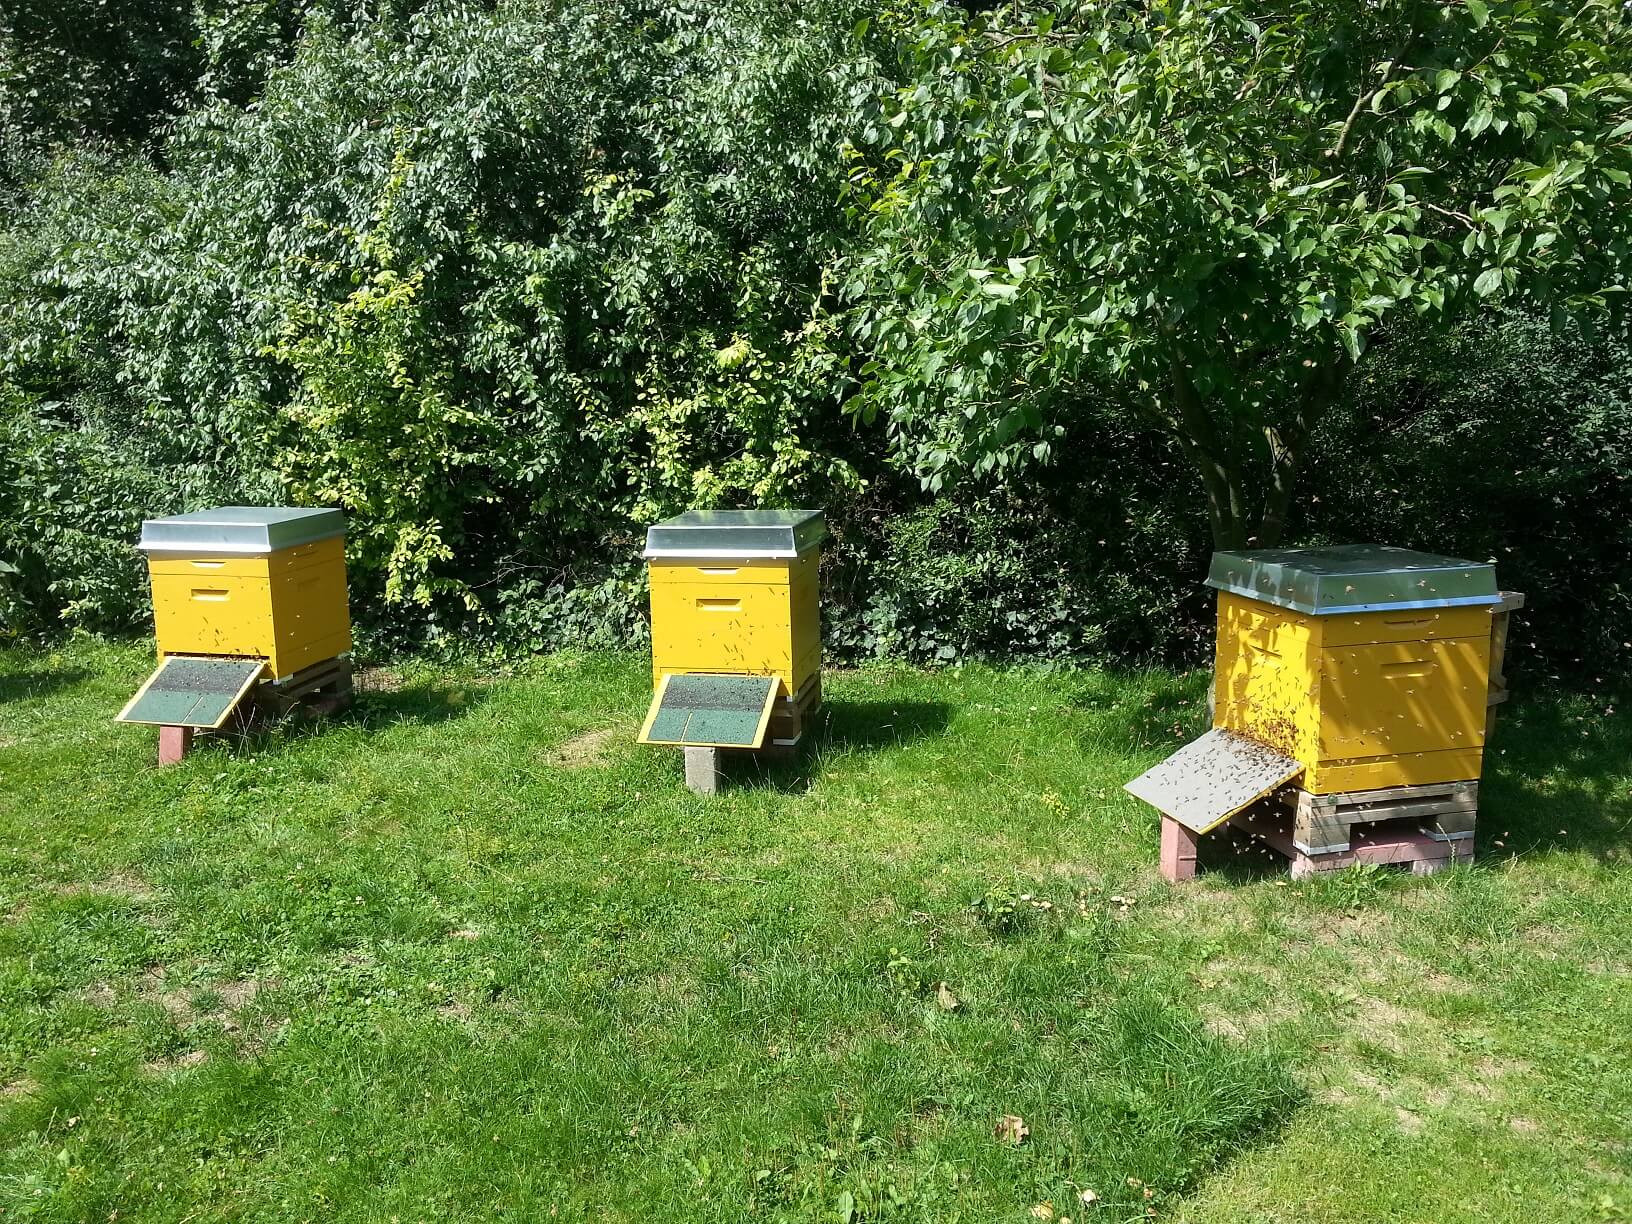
x=703, y=771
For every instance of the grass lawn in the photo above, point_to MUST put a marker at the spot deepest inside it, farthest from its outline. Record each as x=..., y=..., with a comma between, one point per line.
x=468, y=953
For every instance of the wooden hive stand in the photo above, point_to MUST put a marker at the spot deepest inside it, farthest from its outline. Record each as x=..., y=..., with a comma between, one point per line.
x=318, y=690
x=1426, y=828
x=322, y=688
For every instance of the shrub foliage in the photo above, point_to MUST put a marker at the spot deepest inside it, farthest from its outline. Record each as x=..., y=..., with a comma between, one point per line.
x=506, y=282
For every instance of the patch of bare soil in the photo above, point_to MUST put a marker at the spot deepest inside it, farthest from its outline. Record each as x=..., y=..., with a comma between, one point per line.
x=376, y=680
x=589, y=748
x=153, y=988
x=173, y=1066
x=121, y=885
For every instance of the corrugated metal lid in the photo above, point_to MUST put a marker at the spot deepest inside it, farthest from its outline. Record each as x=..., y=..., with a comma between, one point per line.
x=747, y=534
x=1353, y=578
x=240, y=529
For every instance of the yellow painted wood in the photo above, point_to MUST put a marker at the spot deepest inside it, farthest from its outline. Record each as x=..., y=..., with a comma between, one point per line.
x=1390, y=698
x=1408, y=625
x=1408, y=769
x=748, y=618
x=1364, y=701
x=726, y=572
x=288, y=607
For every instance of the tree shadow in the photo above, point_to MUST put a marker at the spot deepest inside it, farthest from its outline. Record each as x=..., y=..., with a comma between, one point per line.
x=869, y=726
x=839, y=727
x=419, y=704
x=39, y=682
x=1135, y=711
x=1558, y=776
x=369, y=710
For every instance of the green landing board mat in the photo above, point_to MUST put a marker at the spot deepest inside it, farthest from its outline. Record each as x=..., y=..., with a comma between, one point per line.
x=190, y=691
x=707, y=711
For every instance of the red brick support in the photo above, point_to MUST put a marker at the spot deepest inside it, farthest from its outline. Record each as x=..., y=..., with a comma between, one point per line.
x=174, y=743
x=1178, y=851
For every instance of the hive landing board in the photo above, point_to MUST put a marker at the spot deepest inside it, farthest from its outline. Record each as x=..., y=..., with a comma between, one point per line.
x=192, y=691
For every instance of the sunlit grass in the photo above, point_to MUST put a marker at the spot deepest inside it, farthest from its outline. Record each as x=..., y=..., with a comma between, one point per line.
x=469, y=953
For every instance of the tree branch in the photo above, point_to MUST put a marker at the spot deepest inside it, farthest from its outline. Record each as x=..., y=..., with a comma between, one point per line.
x=1287, y=448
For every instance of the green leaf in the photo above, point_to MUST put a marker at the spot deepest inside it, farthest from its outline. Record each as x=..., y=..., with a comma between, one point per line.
x=1488, y=282
x=1479, y=11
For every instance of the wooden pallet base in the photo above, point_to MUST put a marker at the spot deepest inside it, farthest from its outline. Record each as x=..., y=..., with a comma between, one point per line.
x=789, y=715
x=1392, y=842
x=1424, y=827
x=1323, y=824
x=318, y=690
x=321, y=688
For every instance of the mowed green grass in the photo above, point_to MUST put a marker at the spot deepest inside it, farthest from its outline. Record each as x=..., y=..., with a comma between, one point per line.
x=469, y=953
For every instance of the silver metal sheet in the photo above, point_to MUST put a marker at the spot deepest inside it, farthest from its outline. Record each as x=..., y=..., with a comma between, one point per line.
x=1210, y=779
x=1353, y=578
x=748, y=534
x=240, y=530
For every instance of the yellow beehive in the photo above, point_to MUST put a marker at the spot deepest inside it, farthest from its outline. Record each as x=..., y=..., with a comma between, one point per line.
x=1368, y=665
x=735, y=592
x=250, y=582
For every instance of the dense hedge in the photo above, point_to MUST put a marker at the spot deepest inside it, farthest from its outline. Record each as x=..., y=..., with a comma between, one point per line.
x=510, y=283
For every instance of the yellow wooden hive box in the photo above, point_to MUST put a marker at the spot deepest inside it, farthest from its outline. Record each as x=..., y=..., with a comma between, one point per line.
x=735, y=592
x=1368, y=665
x=250, y=582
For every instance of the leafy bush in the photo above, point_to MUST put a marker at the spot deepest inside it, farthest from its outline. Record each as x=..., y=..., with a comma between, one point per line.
x=502, y=285
x=1500, y=442
x=508, y=284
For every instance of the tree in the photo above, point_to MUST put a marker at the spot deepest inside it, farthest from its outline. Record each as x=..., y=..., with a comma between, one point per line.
x=1198, y=212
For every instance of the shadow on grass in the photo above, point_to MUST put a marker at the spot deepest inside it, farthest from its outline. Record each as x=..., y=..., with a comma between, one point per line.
x=841, y=727
x=424, y=705
x=869, y=726
x=421, y=705
x=1558, y=776
x=38, y=682
x=1136, y=711
x=1232, y=855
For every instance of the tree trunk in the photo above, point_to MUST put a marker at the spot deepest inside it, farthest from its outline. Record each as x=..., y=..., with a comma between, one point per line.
x=1224, y=471
x=1220, y=469
x=1287, y=448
